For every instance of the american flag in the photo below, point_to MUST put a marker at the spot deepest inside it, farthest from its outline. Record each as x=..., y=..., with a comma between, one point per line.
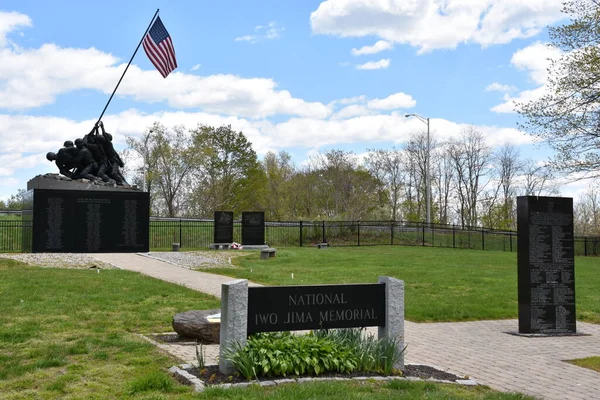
x=159, y=48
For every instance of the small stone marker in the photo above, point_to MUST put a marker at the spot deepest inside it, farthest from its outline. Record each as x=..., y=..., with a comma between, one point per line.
x=394, y=309
x=223, y=227
x=234, y=319
x=253, y=228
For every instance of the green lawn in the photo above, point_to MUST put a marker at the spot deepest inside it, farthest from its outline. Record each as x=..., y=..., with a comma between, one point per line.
x=592, y=363
x=72, y=334
x=441, y=284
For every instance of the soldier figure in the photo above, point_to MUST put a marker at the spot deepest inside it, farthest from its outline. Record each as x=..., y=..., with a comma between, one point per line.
x=93, y=158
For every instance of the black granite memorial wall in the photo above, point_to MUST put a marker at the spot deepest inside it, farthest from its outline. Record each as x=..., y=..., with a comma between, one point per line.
x=546, y=265
x=289, y=308
x=79, y=221
x=253, y=228
x=223, y=227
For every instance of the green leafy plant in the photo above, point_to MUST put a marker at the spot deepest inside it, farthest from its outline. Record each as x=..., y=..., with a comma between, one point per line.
x=389, y=352
x=200, y=355
x=282, y=354
x=339, y=350
x=374, y=355
x=243, y=360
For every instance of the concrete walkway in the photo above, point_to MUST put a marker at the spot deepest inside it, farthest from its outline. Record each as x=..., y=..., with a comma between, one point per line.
x=481, y=350
x=200, y=281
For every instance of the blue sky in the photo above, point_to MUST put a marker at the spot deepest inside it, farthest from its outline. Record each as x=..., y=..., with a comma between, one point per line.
x=302, y=76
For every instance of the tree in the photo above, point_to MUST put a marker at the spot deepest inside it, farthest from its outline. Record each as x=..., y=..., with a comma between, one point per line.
x=500, y=207
x=334, y=186
x=229, y=176
x=537, y=179
x=586, y=212
x=567, y=116
x=143, y=147
x=418, y=150
x=279, y=171
x=442, y=179
x=303, y=194
x=387, y=167
x=14, y=202
x=470, y=157
x=169, y=160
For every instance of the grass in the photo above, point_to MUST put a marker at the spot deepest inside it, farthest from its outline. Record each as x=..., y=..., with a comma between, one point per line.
x=396, y=389
x=592, y=363
x=72, y=334
x=441, y=284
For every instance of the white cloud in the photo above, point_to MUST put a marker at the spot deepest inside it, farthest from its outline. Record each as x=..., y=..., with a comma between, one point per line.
x=381, y=45
x=196, y=67
x=10, y=21
x=352, y=100
x=356, y=127
x=533, y=60
x=352, y=110
x=245, y=38
x=262, y=33
x=383, y=63
x=397, y=100
x=498, y=87
x=436, y=24
x=35, y=77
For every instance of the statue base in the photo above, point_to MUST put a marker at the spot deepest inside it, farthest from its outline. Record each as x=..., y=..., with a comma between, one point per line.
x=66, y=216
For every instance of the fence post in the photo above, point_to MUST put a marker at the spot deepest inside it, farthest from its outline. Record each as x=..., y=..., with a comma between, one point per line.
x=482, y=239
x=300, y=233
x=585, y=246
x=323, y=241
x=453, y=236
x=180, y=244
x=358, y=232
x=392, y=232
x=423, y=225
x=510, y=236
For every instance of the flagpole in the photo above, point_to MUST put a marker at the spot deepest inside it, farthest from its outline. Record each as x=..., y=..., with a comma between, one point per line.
x=130, y=60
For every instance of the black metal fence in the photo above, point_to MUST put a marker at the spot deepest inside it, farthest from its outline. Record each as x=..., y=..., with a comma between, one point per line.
x=195, y=234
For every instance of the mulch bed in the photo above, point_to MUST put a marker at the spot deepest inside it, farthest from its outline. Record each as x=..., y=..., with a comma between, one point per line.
x=210, y=375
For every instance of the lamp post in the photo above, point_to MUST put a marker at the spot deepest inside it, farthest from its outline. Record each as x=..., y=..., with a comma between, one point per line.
x=427, y=180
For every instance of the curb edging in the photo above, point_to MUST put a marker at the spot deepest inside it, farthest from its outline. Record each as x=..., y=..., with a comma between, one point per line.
x=180, y=373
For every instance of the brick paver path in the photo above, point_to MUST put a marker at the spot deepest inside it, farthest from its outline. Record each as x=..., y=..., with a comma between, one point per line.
x=531, y=365
x=482, y=350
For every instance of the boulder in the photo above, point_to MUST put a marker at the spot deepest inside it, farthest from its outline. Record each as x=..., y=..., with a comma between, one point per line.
x=194, y=325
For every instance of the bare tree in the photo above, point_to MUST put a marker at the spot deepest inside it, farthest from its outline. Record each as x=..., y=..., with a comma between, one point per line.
x=587, y=212
x=419, y=149
x=470, y=157
x=442, y=174
x=501, y=204
x=387, y=167
x=537, y=179
x=168, y=161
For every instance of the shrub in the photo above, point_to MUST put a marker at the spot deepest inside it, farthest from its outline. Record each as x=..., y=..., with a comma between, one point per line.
x=339, y=350
x=282, y=354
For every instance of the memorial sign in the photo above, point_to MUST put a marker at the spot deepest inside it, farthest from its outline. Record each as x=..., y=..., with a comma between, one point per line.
x=287, y=308
x=546, y=266
x=223, y=227
x=76, y=221
x=253, y=228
